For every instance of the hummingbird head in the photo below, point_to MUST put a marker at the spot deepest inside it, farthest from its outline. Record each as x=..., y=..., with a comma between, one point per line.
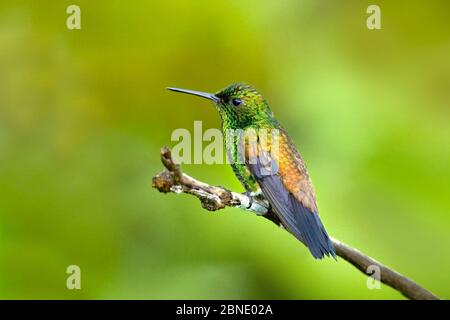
x=239, y=105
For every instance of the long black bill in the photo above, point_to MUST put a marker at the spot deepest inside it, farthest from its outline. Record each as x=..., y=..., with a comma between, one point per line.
x=206, y=95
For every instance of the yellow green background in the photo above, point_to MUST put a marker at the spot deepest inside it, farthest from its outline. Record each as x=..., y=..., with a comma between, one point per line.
x=83, y=115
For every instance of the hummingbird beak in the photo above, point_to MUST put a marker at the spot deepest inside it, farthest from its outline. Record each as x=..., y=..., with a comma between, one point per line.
x=206, y=95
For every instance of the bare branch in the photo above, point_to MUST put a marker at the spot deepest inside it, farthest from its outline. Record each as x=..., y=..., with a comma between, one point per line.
x=215, y=198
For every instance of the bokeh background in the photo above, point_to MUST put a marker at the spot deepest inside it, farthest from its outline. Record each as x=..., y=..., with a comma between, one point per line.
x=83, y=115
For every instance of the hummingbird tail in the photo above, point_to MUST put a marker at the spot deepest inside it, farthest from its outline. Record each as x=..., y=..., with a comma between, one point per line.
x=312, y=233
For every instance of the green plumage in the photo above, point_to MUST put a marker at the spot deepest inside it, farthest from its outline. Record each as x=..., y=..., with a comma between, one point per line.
x=255, y=115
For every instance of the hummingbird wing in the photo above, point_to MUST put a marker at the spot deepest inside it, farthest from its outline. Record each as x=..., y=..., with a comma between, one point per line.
x=285, y=183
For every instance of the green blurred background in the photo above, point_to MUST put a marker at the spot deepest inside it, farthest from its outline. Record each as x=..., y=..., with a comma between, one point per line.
x=83, y=115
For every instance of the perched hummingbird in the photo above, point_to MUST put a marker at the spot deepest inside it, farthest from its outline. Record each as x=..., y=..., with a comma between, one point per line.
x=287, y=187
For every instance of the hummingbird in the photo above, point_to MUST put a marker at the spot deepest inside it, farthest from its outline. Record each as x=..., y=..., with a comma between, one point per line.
x=286, y=185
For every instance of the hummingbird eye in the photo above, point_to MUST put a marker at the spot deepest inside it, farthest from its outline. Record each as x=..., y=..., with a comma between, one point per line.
x=236, y=102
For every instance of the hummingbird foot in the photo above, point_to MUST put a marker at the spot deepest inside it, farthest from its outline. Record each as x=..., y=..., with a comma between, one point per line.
x=250, y=199
x=254, y=199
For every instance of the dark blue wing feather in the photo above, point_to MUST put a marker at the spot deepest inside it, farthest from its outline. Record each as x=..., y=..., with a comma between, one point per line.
x=295, y=217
